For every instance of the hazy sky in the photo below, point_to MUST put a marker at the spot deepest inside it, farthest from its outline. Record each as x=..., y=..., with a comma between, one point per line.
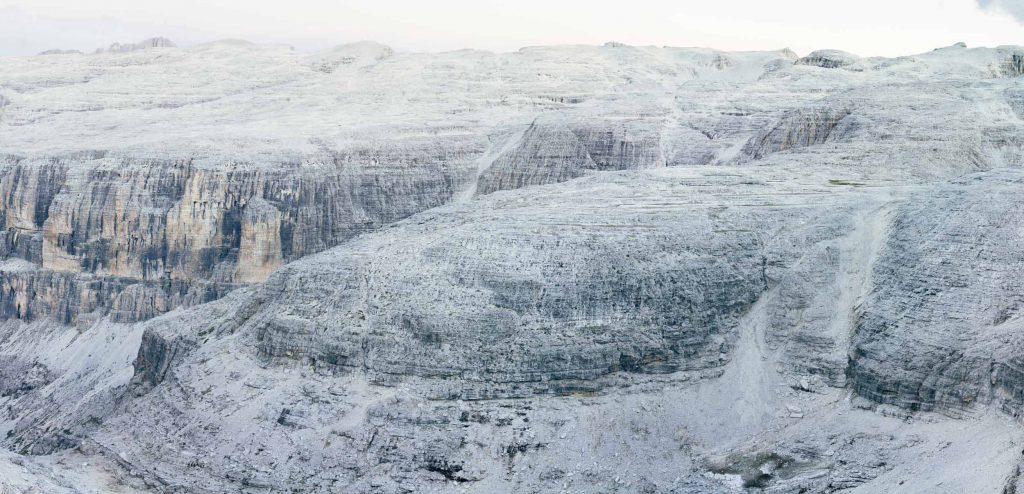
x=865, y=27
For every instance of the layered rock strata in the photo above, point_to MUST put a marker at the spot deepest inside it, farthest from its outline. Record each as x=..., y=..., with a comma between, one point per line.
x=592, y=269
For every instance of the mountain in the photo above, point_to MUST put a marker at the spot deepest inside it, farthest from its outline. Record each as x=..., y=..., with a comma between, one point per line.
x=241, y=268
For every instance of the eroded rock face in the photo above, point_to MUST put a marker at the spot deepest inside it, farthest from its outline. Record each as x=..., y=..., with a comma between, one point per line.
x=801, y=128
x=174, y=221
x=941, y=328
x=167, y=224
x=829, y=59
x=559, y=292
x=1015, y=65
x=558, y=148
x=141, y=45
x=589, y=269
x=329, y=145
x=28, y=294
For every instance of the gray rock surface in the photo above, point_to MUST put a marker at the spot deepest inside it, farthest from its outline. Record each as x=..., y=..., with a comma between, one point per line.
x=141, y=45
x=941, y=329
x=584, y=269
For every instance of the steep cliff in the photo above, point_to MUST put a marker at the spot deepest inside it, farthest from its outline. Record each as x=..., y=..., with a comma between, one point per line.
x=288, y=154
x=940, y=329
x=171, y=224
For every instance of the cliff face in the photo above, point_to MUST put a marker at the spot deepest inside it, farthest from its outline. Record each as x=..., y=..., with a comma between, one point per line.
x=520, y=329
x=941, y=329
x=654, y=282
x=173, y=221
x=592, y=269
x=560, y=147
x=290, y=154
x=165, y=226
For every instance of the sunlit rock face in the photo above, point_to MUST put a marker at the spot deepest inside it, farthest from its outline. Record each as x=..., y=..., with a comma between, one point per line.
x=171, y=223
x=576, y=268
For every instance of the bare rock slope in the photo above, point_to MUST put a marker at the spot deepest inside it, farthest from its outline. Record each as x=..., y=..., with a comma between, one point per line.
x=237, y=268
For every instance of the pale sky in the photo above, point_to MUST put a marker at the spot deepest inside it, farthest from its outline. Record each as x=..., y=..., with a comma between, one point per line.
x=864, y=27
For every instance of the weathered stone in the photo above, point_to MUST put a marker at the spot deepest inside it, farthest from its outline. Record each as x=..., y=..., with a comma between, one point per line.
x=941, y=329
x=586, y=269
x=829, y=59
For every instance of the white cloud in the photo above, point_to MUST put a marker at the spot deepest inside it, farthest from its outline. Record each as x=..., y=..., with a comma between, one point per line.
x=1012, y=7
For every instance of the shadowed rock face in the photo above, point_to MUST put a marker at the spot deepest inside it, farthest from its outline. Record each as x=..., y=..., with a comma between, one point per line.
x=1015, y=65
x=559, y=148
x=31, y=294
x=941, y=329
x=801, y=128
x=512, y=298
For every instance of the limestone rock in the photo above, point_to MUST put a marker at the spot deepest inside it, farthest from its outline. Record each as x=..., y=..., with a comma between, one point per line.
x=575, y=268
x=940, y=330
x=1015, y=65
x=829, y=59
x=141, y=45
x=558, y=301
x=801, y=128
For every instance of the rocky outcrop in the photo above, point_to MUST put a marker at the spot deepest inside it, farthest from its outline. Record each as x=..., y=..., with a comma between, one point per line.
x=829, y=59
x=558, y=148
x=156, y=356
x=170, y=226
x=800, y=128
x=1015, y=65
x=19, y=376
x=141, y=45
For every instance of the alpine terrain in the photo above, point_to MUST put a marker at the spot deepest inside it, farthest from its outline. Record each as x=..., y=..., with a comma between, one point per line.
x=240, y=268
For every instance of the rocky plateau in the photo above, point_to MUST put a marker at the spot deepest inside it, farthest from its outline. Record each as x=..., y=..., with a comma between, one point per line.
x=239, y=268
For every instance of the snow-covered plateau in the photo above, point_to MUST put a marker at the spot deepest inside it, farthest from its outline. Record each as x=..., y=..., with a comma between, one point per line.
x=238, y=268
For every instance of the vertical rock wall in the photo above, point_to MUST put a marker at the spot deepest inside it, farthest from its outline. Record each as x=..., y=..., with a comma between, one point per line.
x=176, y=233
